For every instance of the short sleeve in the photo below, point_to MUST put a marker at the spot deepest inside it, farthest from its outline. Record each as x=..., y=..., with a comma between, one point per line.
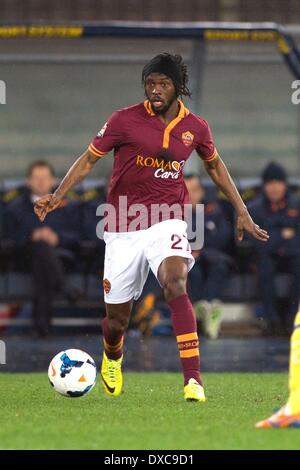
x=109, y=137
x=206, y=148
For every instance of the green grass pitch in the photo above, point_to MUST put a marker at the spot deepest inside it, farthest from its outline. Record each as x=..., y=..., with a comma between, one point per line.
x=151, y=414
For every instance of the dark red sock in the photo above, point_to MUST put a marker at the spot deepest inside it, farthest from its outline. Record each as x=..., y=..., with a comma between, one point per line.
x=185, y=328
x=113, y=344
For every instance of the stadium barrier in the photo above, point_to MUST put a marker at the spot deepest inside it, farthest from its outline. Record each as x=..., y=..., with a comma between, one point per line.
x=103, y=54
x=201, y=32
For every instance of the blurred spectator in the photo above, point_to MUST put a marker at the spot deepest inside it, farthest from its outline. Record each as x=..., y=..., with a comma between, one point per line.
x=150, y=311
x=212, y=263
x=93, y=248
x=277, y=210
x=44, y=248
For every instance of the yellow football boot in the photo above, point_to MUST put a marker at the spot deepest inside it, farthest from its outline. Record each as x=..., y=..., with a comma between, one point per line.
x=111, y=374
x=193, y=391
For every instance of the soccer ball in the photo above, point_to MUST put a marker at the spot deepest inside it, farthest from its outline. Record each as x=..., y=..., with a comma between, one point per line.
x=72, y=373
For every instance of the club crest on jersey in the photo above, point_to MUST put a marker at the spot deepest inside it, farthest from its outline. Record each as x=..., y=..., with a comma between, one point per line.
x=106, y=286
x=187, y=138
x=101, y=132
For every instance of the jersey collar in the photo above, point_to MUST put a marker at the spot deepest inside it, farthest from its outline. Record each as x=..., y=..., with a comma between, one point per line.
x=183, y=111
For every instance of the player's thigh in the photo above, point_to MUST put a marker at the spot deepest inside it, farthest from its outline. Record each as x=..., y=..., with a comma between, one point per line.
x=124, y=266
x=168, y=250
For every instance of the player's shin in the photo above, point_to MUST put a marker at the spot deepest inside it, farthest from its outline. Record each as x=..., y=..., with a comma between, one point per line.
x=185, y=328
x=294, y=376
x=113, y=342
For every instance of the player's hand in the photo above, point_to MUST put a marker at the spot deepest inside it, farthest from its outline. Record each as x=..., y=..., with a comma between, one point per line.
x=245, y=223
x=46, y=204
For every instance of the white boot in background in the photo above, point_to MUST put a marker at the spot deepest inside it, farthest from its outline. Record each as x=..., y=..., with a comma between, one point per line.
x=202, y=310
x=212, y=322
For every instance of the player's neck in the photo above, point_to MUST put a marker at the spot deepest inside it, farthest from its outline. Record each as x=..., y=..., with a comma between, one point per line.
x=171, y=113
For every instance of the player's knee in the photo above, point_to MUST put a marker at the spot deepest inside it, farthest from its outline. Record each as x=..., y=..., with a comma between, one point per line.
x=174, y=287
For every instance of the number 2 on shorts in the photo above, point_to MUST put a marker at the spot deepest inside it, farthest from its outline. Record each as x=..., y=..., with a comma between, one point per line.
x=178, y=242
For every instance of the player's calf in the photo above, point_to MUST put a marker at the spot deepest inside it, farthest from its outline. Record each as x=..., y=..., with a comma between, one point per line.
x=185, y=327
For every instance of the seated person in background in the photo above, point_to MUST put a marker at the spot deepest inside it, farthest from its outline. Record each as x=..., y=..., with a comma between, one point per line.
x=278, y=211
x=212, y=264
x=44, y=248
x=93, y=247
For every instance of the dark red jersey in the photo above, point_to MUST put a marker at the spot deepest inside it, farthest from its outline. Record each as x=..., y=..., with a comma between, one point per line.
x=149, y=156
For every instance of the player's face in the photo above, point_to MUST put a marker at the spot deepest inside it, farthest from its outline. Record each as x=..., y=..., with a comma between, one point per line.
x=160, y=91
x=41, y=181
x=195, y=189
x=275, y=190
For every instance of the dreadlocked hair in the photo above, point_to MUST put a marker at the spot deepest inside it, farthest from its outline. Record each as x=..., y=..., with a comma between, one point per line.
x=183, y=90
x=181, y=71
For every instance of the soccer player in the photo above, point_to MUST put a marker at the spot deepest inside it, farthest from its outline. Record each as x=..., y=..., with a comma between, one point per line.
x=289, y=415
x=152, y=141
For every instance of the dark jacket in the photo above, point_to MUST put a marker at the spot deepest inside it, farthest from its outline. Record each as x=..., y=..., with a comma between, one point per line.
x=20, y=221
x=274, y=218
x=217, y=228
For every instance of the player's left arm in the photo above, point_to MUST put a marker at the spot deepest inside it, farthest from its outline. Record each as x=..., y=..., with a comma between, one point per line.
x=218, y=172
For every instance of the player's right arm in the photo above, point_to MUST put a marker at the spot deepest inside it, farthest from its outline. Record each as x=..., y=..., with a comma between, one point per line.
x=107, y=138
x=78, y=171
